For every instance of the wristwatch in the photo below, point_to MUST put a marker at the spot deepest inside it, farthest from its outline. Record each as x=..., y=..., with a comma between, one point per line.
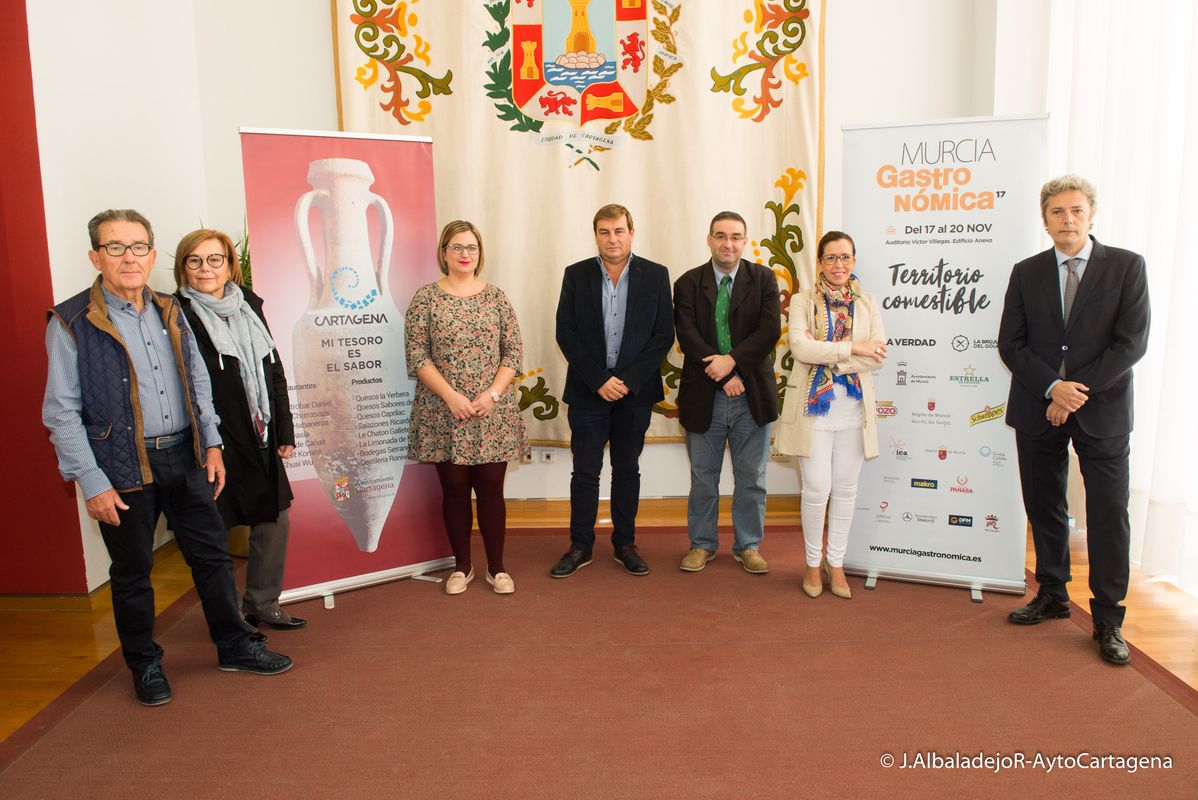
x=495, y=395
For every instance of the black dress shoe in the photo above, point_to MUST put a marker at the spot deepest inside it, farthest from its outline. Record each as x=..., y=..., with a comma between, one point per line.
x=1111, y=645
x=258, y=636
x=632, y=561
x=151, y=687
x=254, y=658
x=276, y=618
x=1040, y=609
x=570, y=563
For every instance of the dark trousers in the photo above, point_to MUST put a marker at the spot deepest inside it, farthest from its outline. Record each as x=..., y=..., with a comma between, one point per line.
x=182, y=492
x=1043, y=473
x=623, y=424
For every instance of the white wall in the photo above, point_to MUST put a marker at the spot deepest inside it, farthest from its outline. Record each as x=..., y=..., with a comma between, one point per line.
x=138, y=104
x=145, y=111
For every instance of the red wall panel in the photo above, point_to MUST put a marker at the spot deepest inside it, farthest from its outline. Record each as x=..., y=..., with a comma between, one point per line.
x=41, y=550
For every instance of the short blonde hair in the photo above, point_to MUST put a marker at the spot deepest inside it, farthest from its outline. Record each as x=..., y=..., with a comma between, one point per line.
x=451, y=230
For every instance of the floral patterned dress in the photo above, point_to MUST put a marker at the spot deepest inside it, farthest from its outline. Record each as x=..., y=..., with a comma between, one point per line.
x=467, y=339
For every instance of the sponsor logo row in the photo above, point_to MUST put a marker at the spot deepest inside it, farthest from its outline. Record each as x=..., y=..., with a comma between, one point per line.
x=959, y=343
x=887, y=515
x=888, y=409
x=987, y=454
x=905, y=375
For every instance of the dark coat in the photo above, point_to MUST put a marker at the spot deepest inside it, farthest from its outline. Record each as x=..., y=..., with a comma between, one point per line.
x=648, y=332
x=1107, y=333
x=254, y=491
x=754, y=319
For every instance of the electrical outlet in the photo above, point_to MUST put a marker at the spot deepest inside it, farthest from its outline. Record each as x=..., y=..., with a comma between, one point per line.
x=548, y=456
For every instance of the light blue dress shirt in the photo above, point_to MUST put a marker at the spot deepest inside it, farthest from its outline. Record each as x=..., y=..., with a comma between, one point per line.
x=615, y=307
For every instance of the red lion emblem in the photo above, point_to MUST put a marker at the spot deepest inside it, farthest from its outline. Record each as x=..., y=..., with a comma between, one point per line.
x=633, y=51
x=557, y=103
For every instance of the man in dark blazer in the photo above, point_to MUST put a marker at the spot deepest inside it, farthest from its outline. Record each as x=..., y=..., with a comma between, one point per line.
x=727, y=316
x=1075, y=321
x=615, y=327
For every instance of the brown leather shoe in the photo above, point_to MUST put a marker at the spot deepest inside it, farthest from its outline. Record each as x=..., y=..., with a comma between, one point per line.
x=752, y=561
x=695, y=560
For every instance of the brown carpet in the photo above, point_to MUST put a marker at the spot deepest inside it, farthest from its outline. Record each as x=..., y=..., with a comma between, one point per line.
x=718, y=684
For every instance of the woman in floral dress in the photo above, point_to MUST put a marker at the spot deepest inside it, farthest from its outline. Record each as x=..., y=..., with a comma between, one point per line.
x=463, y=345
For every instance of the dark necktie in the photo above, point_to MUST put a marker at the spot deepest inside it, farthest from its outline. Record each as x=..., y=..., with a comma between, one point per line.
x=723, y=334
x=1071, y=282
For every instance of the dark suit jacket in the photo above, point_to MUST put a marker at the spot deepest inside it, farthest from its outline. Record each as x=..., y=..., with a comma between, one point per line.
x=1106, y=335
x=648, y=332
x=754, y=318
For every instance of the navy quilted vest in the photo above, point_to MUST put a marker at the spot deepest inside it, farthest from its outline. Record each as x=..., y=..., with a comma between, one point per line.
x=108, y=388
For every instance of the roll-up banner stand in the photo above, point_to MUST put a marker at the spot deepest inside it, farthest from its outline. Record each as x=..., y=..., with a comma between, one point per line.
x=342, y=232
x=940, y=212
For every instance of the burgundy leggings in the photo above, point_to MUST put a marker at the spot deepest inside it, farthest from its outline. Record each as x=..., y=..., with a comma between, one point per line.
x=487, y=482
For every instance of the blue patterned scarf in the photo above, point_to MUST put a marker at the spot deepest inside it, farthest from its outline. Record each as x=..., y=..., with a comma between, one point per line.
x=833, y=323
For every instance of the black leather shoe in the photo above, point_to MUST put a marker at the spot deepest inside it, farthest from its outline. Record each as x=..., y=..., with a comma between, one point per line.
x=151, y=687
x=570, y=563
x=276, y=618
x=257, y=636
x=1040, y=609
x=254, y=658
x=632, y=561
x=1111, y=645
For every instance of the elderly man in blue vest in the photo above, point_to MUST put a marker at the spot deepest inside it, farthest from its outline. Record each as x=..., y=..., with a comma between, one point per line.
x=130, y=415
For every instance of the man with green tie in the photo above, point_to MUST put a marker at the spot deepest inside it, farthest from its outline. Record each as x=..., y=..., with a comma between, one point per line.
x=727, y=319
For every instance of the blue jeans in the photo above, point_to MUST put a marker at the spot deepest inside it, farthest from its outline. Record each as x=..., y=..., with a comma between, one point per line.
x=731, y=422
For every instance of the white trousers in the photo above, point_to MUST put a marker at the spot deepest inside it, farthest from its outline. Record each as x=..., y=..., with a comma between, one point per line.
x=830, y=472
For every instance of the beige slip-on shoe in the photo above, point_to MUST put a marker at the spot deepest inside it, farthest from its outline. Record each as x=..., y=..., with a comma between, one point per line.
x=502, y=582
x=458, y=581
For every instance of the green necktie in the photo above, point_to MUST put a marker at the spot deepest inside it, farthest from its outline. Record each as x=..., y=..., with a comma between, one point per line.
x=723, y=297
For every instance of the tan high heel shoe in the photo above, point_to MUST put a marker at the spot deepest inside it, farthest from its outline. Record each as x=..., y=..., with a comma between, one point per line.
x=843, y=593
x=813, y=591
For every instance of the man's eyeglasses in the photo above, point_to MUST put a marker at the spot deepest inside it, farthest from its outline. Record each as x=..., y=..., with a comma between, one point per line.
x=735, y=238
x=831, y=260
x=458, y=249
x=117, y=249
x=216, y=261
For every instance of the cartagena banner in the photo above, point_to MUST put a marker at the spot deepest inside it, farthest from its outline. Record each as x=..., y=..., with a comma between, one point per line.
x=940, y=213
x=341, y=233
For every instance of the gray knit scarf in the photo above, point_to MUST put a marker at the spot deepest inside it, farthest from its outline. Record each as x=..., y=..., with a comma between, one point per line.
x=236, y=331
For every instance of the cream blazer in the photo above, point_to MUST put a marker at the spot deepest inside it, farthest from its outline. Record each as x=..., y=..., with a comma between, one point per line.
x=794, y=427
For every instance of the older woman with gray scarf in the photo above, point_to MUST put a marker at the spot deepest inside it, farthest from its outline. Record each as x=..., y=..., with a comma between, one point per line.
x=249, y=390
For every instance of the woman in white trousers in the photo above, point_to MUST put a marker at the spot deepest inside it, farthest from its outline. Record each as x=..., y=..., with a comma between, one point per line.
x=828, y=419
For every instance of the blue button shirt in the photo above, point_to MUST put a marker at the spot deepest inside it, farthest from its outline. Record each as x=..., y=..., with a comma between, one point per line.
x=615, y=306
